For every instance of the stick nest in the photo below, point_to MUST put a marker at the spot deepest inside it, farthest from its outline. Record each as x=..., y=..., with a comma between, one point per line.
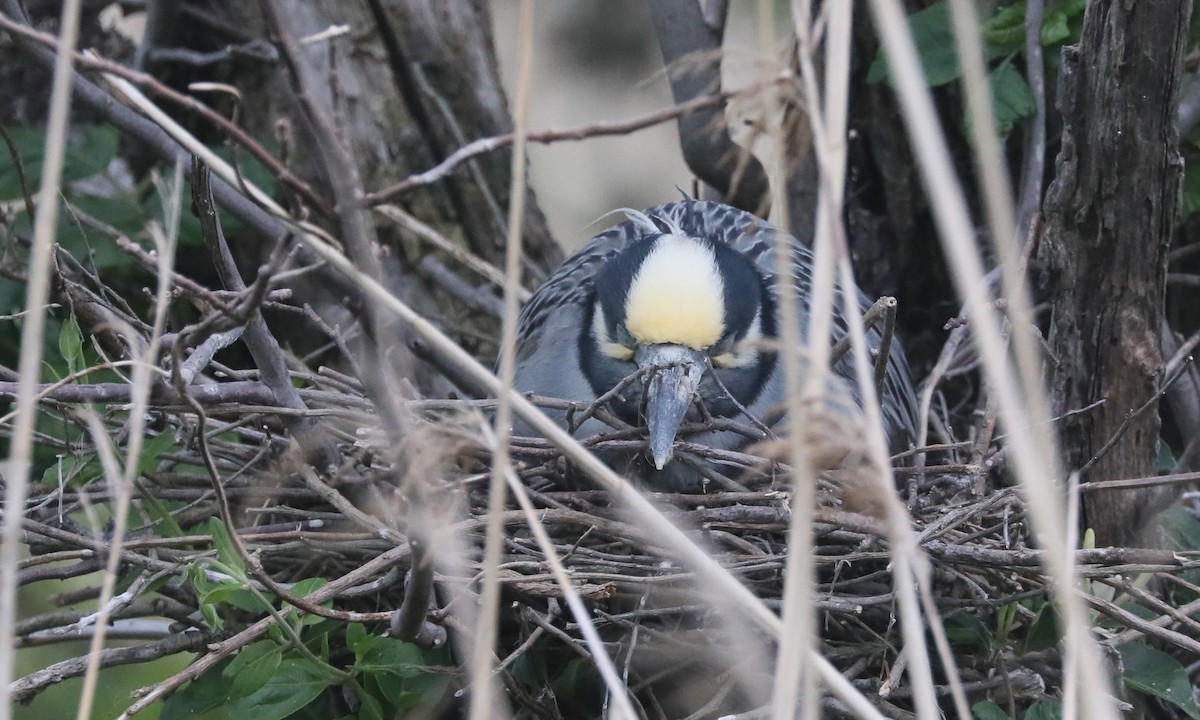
x=397, y=533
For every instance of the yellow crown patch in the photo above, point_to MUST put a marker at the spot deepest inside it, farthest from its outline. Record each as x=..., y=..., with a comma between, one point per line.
x=677, y=296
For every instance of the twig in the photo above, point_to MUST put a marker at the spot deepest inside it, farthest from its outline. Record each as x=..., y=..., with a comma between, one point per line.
x=885, y=343
x=874, y=314
x=477, y=299
x=617, y=689
x=483, y=701
x=32, y=340
x=258, y=338
x=1147, y=628
x=28, y=687
x=462, y=255
x=408, y=623
x=15, y=156
x=1033, y=174
x=1156, y=481
x=1131, y=417
x=91, y=61
x=484, y=145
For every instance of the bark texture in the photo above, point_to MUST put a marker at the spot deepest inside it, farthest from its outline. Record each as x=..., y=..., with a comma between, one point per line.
x=411, y=82
x=1110, y=212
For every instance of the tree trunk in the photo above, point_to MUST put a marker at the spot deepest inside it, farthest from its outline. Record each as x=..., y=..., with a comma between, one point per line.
x=1109, y=216
x=412, y=82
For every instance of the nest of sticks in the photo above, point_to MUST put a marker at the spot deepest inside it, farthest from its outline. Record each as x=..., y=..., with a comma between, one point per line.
x=397, y=532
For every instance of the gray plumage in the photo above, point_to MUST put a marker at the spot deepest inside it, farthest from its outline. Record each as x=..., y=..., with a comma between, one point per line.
x=557, y=357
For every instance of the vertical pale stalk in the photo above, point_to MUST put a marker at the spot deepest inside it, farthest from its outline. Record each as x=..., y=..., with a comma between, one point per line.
x=484, y=701
x=1034, y=455
x=992, y=174
x=1070, y=699
x=617, y=690
x=122, y=485
x=908, y=563
x=829, y=133
x=795, y=679
x=30, y=362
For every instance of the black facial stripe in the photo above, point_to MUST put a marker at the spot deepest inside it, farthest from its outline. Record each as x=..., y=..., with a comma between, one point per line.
x=743, y=289
x=614, y=279
x=604, y=372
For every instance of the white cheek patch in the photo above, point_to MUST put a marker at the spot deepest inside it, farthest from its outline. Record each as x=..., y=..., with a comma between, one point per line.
x=745, y=352
x=600, y=332
x=677, y=296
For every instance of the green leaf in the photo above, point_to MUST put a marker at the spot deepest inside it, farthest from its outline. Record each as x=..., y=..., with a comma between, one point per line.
x=967, y=631
x=1006, y=615
x=227, y=553
x=1062, y=21
x=89, y=151
x=1006, y=28
x=1189, y=201
x=1044, y=711
x=934, y=37
x=1055, y=27
x=152, y=449
x=389, y=655
x=232, y=592
x=988, y=710
x=308, y=586
x=295, y=683
x=70, y=344
x=199, y=581
x=1044, y=632
x=1011, y=97
x=73, y=470
x=1180, y=529
x=229, y=591
x=371, y=708
x=277, y=634
x=406, y=693
x=1166, y=458
x=210, y=616
x=204, y=698
x=1004, y=32
x=304, y=588
x=30, y=144
x=253, y=667
x=398, y=670
x=188, y=234
x=565, y=685
x=356, y=635
x=1158, y=674
x=92, y=247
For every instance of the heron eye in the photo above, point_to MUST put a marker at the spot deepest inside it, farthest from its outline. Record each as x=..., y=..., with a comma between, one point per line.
x=723, y=346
